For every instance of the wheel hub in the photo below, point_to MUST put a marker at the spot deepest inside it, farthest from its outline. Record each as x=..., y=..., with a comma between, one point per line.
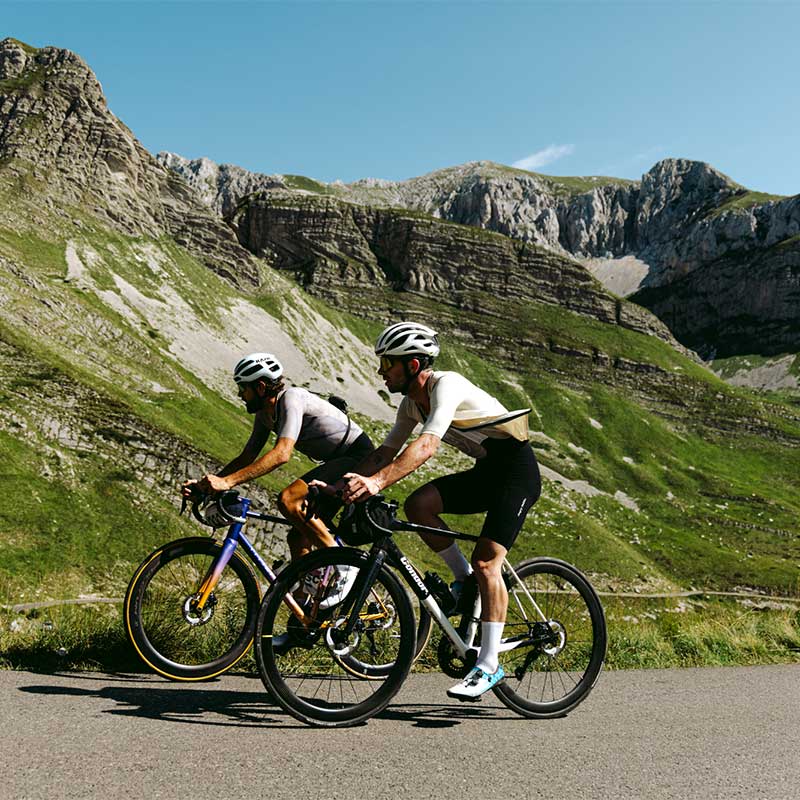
x=195, y=616
x=557, y=640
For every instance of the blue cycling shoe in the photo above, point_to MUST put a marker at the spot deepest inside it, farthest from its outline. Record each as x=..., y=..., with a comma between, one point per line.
x=476, y=684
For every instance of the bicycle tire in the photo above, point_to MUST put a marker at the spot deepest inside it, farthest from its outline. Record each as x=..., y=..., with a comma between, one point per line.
x=308, y=680
x=555, y=672
x=158, y=618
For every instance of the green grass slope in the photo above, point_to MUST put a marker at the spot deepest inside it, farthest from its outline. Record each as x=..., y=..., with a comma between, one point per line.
x=651, y=485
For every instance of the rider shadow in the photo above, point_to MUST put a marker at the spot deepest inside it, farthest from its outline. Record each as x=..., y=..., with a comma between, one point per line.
x=108, y=677
x=216, y=707
x=184, y=705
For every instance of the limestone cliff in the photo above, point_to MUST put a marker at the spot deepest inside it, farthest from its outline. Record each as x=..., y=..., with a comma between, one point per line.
x=681, y=217
x=342, y=251
x=60, y=141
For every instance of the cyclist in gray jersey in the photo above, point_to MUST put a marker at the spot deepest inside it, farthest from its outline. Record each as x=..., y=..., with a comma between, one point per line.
x=300, y=420
x=504, y=482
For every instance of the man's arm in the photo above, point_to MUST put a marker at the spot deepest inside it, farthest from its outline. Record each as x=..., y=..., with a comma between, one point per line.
x=376, y=460
x=253, y=446
x=360, y=487
x=369, y=465
x=271, y=460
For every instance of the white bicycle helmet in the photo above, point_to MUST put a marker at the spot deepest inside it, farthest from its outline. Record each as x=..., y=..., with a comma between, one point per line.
x=257, y=365
x=407, y=339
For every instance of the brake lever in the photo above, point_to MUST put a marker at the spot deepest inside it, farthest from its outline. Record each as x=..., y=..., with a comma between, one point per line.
x=196, y=497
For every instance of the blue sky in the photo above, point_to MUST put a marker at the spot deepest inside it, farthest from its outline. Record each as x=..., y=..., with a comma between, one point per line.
x=345, y=90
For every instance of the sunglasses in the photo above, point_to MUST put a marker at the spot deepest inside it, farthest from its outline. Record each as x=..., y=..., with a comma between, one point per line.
x=387, y=363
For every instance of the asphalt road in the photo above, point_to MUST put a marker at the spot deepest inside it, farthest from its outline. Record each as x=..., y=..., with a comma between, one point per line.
x=695, y=733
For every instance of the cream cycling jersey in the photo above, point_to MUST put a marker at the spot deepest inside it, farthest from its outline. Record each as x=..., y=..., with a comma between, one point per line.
x=461, y=414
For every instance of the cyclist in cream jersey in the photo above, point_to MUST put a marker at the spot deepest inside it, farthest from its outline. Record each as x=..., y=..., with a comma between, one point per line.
x=461, y=415
x=504, y=482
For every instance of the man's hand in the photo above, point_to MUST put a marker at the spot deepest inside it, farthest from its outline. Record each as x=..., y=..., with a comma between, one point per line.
x=331, y=489
x=213, y=483
x=189, y=489
x=358, y=488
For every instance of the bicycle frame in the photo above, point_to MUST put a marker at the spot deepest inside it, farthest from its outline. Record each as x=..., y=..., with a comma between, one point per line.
x=233, y=539
x=386, y=549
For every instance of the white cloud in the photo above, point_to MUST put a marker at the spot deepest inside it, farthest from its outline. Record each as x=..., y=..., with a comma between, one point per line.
x=547, y=156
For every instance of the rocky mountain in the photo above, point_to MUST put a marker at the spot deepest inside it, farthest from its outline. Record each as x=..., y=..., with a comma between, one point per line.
x=59, y=139
x=345, y=252
x=638, y=237
x=124, y=300
x=220, y=186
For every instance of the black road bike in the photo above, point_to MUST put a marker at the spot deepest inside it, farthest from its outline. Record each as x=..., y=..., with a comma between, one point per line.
x=552, y=653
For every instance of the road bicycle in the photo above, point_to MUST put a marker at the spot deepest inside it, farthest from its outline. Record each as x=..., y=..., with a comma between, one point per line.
x=191, y=607
x=552, y=653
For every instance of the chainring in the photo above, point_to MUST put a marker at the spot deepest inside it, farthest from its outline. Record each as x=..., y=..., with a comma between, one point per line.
x=450, y=662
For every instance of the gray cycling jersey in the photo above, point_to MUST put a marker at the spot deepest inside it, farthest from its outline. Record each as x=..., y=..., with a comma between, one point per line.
x=317, y=427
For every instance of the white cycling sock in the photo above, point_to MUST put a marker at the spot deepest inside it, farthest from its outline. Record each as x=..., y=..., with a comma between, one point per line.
x=454, y=559
x=491, y=634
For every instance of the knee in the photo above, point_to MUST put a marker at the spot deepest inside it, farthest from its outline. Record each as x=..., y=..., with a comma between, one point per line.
x=487, y=569
x=283, y=503
x=414, y=506
x=290, y=502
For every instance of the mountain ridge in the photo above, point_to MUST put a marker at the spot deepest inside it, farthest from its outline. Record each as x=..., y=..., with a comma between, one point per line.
x=124, y=302
x=683, y=217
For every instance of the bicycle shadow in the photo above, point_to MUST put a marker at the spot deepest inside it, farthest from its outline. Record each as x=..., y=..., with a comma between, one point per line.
x=208, y=707
x=226, y=708
x=432, y=715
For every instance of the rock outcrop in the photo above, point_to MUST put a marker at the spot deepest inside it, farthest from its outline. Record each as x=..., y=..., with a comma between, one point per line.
x=683, y=216
x=59, y=140
x=743, y=302
x=338, y=250
x=219, y=186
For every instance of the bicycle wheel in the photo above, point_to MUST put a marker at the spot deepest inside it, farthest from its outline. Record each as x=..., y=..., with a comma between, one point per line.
x=169, y=634
x=370, y=671
x=556, y=617
x=301, y=665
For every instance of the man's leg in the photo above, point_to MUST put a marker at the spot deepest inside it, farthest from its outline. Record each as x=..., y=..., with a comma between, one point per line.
x=487, y=561
x=305, y=534
x=424, y=507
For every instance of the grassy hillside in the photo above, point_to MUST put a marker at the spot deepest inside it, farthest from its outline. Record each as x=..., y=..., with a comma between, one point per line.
x=115, y=352
x=715, y=508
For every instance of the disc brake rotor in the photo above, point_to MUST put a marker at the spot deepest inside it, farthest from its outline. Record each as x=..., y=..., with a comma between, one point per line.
x=337, y=647
x=193, y=615
x=560, y=634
